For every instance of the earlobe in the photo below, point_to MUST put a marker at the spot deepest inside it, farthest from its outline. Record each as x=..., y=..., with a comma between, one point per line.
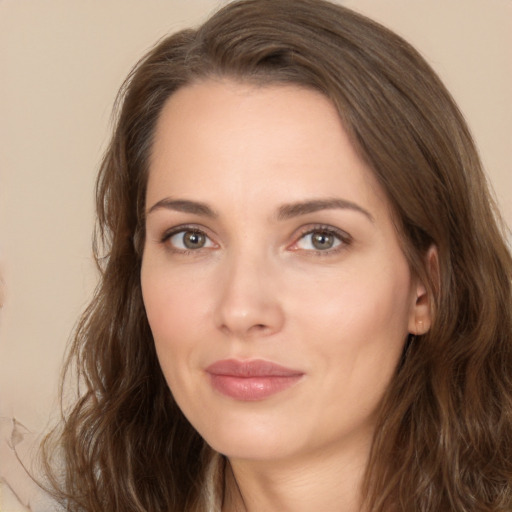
x=420, y=318
x=421, y=315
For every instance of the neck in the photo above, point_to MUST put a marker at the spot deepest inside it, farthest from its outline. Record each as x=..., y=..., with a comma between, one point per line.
x=319, y=481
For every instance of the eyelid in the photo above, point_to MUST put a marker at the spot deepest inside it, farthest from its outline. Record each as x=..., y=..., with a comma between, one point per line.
x=344, y=238
x=182, y=228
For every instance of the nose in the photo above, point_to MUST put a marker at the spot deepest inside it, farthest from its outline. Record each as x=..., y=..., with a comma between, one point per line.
x=248, y=303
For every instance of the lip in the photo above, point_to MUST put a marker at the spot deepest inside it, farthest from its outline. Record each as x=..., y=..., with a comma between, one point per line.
x=251, y=380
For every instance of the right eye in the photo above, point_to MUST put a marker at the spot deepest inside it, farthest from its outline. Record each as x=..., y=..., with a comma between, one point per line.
x=188, y=240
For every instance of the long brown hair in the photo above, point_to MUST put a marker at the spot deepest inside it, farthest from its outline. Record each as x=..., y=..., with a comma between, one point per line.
x=444, y=436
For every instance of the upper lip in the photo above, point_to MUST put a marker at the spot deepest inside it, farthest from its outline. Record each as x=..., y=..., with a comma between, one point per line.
x=252, y=368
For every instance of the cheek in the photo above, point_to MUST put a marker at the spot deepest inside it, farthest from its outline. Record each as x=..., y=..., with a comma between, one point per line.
x=363, y=300
x=358, y=333
x=172, y=300
x=176, y=309
x=358, y=322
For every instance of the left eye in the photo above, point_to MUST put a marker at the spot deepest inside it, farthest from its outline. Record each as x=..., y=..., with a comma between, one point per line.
x=319, y=240
x=189, y=240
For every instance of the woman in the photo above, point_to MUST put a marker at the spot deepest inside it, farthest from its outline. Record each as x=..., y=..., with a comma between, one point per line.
x=305, y=293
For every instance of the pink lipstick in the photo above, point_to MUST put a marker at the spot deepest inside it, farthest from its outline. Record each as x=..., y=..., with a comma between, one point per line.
x=251, y=380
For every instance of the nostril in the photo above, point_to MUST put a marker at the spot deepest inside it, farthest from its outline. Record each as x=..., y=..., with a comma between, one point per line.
x=261, y=329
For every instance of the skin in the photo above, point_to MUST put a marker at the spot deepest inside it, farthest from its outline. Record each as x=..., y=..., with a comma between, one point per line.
x=258, y=287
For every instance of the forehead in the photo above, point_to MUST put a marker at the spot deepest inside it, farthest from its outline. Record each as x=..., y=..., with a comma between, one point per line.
x=275, y=140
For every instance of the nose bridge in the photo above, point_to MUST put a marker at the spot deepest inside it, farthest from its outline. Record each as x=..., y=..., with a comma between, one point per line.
x=248, y=301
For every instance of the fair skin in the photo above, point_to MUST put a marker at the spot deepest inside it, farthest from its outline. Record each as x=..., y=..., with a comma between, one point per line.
x=268, y=239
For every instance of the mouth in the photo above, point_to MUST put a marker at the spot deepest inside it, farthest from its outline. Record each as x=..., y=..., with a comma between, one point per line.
x=251, y=380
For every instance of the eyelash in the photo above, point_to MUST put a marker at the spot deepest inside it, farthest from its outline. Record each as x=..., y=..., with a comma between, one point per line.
x=183, y=229
x=342, y=237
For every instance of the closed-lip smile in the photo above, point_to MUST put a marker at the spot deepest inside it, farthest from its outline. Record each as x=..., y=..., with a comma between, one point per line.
x=251, y=380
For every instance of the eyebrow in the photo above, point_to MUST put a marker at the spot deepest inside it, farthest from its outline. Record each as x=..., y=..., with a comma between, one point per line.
x=183, y=205
x=291, y=210
x=284, y=212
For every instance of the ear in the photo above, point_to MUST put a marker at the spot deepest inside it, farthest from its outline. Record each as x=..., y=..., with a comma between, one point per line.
x=420, y=318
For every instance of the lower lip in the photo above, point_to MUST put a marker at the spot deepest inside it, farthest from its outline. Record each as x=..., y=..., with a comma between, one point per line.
x=252, y=388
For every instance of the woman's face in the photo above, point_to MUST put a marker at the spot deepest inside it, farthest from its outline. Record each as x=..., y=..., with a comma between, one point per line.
x=273, y=280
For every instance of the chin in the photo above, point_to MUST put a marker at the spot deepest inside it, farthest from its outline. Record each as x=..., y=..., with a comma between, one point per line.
x=250, y=437
x=262, y=448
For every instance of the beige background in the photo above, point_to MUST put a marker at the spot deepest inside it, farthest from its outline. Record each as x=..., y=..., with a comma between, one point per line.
x=61, y=63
